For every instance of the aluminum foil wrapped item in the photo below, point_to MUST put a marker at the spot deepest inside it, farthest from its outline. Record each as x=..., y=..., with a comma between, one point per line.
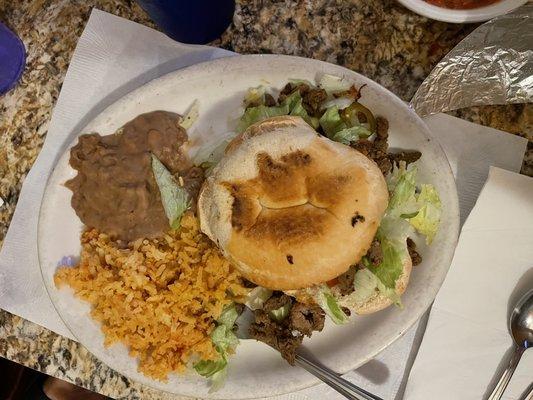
x=493, y=65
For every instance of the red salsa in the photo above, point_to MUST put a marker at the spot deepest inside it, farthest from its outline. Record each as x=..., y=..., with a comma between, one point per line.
x=461, y=4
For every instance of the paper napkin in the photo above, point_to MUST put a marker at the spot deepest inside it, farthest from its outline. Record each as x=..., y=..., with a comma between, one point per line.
x=466, y=336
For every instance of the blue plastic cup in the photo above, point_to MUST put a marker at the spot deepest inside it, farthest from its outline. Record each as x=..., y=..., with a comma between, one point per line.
x=191, y=21
x=12, y=59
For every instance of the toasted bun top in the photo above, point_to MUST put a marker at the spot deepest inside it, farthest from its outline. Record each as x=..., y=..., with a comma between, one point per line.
x=291, y=208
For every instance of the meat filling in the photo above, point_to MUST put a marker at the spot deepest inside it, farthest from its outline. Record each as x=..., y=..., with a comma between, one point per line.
x=375, y=256
x=416, y=258
x=286, y=335
x=345, y=281
x=377, y=149
x=312, y=99
x=306, y=318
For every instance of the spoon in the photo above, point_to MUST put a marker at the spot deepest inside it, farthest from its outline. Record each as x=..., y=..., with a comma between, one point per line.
x=521, y=329
x=334, y=380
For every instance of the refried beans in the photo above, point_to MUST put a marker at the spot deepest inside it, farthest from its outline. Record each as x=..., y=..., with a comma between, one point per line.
x=115, y=190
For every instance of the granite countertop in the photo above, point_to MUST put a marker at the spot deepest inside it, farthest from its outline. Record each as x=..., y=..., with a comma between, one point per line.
x=377, y=38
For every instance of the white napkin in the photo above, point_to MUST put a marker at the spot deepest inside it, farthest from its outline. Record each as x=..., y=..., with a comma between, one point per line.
x=466, y=336
x=115, y=56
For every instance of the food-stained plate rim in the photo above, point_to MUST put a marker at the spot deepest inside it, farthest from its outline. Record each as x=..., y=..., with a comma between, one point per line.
x=226, y=64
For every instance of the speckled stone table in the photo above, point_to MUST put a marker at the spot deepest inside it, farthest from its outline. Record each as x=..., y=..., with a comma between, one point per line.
x=377, y=38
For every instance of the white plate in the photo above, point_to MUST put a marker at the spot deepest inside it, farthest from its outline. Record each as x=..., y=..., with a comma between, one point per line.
x=219, y=86
x=462, y=16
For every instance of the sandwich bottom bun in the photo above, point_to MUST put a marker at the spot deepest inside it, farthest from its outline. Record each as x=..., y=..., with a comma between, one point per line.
x=375, y=303
x=290, y=208
x=378, y=301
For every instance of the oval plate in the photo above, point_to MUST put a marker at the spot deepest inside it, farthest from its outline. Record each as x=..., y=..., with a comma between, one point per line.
x=219, y=86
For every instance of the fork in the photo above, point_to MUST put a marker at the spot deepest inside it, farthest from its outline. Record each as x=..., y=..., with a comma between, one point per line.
x=332, y=379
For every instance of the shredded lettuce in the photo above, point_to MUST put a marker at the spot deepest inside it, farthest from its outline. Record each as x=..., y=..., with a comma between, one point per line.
x=401, y=183
x=257, y=297
x=427, y=219
x=292, y=105
x=340, y=102
x=174, y=197
x=337, y=129
x=406, y=210
x=392, y=234
x=390, y=293
x=333, y=83
x=228, y=316
x=331, y=307
x=279, y=314
x=259, y=113
x=255, y=96
x=191, y=116
x=348, y=135
x=297, y=109
x=394, y=229
x=331, y=122
x=391, y=267
x=223, y=336
x=423, y=211
x=365, y=286
x=218, y=379
x=208, y=368
x=225, y=341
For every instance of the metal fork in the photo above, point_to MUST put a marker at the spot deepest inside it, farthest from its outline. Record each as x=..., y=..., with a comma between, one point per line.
x=332, y=379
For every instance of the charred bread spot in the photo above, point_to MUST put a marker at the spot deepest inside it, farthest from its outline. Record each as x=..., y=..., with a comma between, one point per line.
x=357, y=218
x=289, y=226
x=237, y=210
x=282, y=182
x=269, y=170
x=244, y=210
x=297, y=158
x=324, y=190
x=289, y=259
